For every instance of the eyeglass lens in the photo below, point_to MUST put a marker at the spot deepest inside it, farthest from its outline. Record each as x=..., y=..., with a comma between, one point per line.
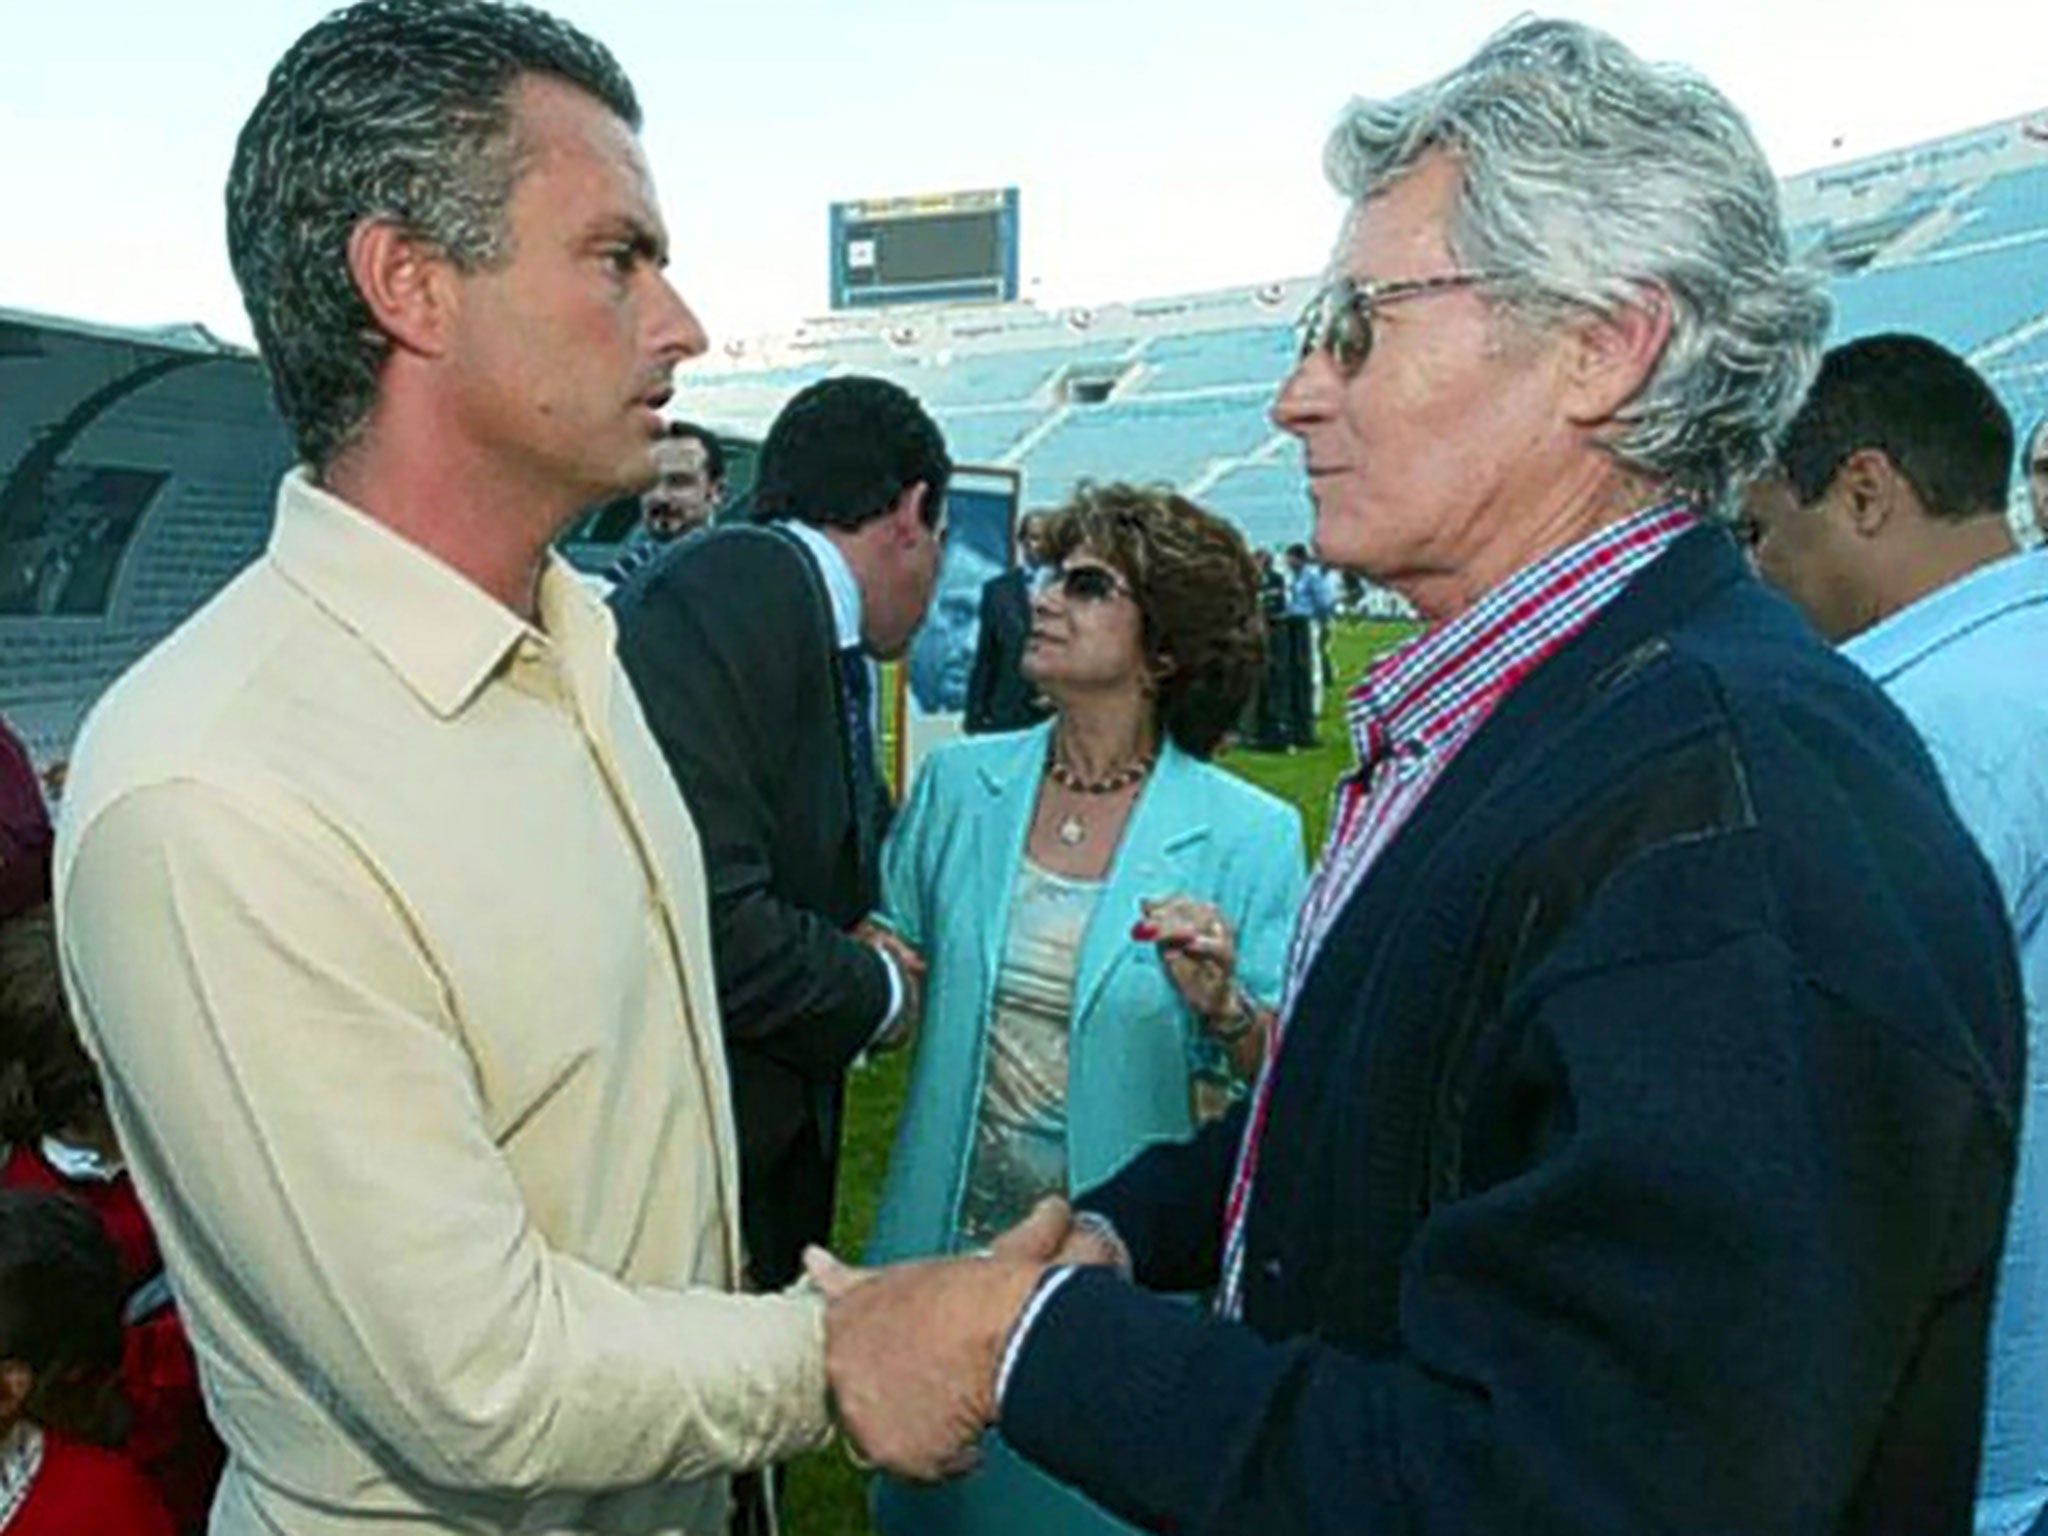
x=1339, y=321
x=1084, y=583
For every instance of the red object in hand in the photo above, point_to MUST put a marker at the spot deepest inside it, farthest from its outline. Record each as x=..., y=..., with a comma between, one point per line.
x=1144, y=932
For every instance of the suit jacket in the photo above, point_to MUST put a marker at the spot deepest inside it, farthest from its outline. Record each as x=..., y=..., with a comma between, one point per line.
x=1639, y=1144
x=729, y=643
x=998, y=697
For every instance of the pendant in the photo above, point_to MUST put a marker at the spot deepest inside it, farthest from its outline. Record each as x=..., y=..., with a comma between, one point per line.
x=1071, y=832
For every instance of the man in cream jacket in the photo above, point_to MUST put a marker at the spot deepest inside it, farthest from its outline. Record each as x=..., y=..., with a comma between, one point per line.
x=378, y=905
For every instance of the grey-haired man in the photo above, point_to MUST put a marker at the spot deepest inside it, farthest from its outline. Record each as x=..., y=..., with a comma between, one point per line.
x=1632, y=1154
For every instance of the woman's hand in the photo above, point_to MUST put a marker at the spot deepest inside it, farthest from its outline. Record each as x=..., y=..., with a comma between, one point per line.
x=1199, y=952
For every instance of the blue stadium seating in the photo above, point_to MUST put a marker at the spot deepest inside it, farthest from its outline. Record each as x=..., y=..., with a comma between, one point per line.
x=996, y=378
x=1268, y=500
x=115, y=405
x=1962, y=301
x=984, y=436
x=2013, y=204
x=1143, y=441
x=1255, y=355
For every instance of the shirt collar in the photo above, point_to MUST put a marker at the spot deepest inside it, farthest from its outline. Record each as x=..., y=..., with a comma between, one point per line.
x=1430, y=688
x=840, y=586
x=439, y=631
x=81, y=1165
x=1891, y=646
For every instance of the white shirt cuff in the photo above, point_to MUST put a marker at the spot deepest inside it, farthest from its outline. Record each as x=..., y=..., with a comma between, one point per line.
x=880, y=1038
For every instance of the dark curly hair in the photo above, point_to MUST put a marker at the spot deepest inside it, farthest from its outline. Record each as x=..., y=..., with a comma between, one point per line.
x=47, y=1082
x=1197, y=590
x=60, y=1312
x=843, y=449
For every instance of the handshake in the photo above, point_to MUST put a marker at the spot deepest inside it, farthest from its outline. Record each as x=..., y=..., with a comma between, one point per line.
x=913, y=1351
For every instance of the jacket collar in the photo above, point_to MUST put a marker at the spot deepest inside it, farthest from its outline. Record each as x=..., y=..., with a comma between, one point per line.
x=842, y=589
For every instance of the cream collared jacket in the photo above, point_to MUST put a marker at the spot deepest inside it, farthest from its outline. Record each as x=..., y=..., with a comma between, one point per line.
x=386, y=923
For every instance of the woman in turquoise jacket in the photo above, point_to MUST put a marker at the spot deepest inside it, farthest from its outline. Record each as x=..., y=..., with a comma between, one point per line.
x=1103, y=914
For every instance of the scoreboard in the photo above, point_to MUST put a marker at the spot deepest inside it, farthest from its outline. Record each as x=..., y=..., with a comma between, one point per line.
x=946, y=247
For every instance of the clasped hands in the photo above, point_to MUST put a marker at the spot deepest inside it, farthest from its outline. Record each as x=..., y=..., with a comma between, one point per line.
x=912, y=1351
x=910, y=970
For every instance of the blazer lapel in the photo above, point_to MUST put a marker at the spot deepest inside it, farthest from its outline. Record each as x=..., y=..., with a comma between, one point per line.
x=1011, y=783
x=1156, y=857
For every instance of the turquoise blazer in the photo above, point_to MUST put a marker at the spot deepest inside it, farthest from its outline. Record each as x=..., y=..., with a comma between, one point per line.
x=948, y=871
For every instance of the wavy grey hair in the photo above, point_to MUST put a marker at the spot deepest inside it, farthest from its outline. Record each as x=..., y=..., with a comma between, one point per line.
x=1587, y=174
x=398, y=110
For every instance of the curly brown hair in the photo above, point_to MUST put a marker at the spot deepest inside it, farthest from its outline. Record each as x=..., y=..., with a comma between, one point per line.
x=1197, y=590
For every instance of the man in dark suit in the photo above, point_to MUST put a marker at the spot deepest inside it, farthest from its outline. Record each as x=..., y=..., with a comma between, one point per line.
x=1634, y=1146
x=998, y=697
x=751, y=651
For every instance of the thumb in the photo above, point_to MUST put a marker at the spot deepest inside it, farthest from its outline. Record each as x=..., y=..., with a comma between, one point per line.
x=1038, y=1236
x=830, y=1275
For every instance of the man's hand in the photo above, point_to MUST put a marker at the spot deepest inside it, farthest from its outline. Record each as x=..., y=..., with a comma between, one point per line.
x=910, y=966
x=1093, y=1240
x=912, y=1351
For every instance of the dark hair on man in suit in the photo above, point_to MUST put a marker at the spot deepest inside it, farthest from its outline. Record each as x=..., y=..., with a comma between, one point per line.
x=844, y=449
x=60, y=1312
x=1197, y=589
x=714, y=450
x=1918, y=404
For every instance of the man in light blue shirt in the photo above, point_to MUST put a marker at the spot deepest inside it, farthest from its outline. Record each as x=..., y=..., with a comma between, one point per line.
x=1305, y=634
x=2037, y=474
x=1885, y=520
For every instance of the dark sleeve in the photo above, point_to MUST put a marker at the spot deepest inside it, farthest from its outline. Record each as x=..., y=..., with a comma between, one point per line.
x=1167, y=1205
x=715, y=642
x=988, y=655
x=25, y=835
x=1741, y=1216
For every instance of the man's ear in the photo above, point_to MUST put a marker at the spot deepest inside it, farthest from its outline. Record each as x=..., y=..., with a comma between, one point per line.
x=406, y=284
x=906, y=513
x=1869, y=489
x=1613, y=356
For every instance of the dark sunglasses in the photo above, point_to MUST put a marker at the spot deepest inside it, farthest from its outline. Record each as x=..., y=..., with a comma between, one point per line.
x=1082, y=583
x=1338, y=320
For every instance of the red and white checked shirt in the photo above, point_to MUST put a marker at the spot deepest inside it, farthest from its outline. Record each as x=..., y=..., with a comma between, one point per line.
x=1415, y=708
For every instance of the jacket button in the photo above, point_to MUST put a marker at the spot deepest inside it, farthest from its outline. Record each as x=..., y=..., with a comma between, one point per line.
x=1270, y=1268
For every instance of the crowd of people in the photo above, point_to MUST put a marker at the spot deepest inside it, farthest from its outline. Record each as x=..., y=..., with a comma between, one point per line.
x=424, y=1035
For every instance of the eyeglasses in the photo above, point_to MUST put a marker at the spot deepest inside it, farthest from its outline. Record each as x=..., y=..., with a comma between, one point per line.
x=1082, y=583
x=1338, y=320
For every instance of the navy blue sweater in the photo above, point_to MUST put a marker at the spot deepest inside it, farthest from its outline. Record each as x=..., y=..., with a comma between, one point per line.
x=1639, y=1153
